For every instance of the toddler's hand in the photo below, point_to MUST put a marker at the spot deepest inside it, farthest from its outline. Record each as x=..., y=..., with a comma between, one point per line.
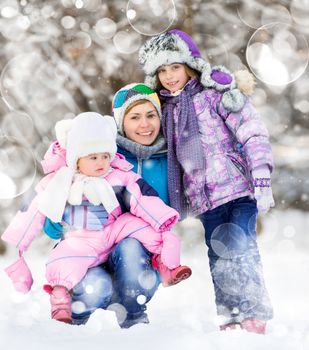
x=166, y=226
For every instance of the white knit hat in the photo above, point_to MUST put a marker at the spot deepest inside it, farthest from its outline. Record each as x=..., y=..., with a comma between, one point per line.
x=86, y=134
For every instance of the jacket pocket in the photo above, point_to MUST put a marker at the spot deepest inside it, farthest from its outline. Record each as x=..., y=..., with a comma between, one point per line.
x=239, y=164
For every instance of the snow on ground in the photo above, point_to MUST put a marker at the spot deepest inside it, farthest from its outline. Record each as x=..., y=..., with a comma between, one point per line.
x=182, y=316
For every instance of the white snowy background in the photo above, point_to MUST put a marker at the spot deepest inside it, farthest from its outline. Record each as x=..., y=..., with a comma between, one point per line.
x=183, y=316
x=59, y=58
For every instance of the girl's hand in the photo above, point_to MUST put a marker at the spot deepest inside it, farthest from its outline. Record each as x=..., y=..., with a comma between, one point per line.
x=262, y=189
x=264, y=198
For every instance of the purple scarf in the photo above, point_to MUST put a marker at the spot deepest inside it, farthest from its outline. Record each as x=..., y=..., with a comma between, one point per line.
x=187, y=153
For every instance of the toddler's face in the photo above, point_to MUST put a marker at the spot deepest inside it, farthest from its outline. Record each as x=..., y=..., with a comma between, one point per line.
x=96, y=164
x=173, y=77
x=142, y=124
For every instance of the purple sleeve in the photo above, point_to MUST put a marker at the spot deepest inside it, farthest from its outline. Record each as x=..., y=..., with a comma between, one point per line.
x=251, y=133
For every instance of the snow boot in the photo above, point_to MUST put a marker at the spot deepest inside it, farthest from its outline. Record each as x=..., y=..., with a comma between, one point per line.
x=134, y=319
x=60, y=301
x=249, y=325
x=230, y=326
x=253, y=325
x=169, y=277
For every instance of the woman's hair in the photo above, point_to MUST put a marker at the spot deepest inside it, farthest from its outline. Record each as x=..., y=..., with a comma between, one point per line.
x=191, y=73
x=134, y=104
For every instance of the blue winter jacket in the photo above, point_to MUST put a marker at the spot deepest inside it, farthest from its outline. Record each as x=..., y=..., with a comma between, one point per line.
x=152, y=170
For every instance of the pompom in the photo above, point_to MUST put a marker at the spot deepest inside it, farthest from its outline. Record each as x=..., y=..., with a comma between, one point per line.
x=245, y=81
x=233, y=100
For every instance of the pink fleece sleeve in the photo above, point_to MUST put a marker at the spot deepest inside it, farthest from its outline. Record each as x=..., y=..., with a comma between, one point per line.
x=54, y=158
x=24, y=227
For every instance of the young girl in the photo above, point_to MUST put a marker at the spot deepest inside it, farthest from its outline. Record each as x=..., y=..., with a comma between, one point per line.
x=219, y=164
x=89, y=195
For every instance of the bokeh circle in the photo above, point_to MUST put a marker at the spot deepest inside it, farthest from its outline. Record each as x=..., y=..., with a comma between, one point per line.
x=17, y=167
x=277, y=54
x=151, y=17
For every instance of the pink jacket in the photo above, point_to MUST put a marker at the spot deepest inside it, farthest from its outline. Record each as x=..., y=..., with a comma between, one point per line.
x=25, y=226
x=133, y=194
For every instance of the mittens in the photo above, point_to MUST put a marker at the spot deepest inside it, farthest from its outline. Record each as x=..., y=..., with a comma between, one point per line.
x=168, y=224
x=262, y=188
x=20, y=275
x=54, y=230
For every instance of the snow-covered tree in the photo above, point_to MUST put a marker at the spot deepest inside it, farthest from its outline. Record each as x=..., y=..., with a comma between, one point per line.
x=59, y=58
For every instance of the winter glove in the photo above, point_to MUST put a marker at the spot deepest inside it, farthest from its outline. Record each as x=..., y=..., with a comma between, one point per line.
x=262, y=188
x=54, y=230
x=20, y=275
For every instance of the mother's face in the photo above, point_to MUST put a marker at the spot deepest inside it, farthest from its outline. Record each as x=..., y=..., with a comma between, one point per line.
x=142, y=124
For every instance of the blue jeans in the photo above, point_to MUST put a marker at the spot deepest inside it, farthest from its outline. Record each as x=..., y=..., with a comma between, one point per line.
x=125, y=283
x=235, y=264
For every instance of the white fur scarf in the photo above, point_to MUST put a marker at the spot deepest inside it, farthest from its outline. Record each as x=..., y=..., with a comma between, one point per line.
x=66, y=186
x=97, y=190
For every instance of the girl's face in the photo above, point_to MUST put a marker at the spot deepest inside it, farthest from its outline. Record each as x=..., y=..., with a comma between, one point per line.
x=173, y=77
x=142, y=124
x=96, y=164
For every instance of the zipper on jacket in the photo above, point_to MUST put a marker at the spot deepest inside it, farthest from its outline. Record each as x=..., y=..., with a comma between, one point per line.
x=187, y=206
x=139, y=166
x=85, y=214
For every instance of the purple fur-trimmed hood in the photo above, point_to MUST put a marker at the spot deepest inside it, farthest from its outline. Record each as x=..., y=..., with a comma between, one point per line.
x=176, y=46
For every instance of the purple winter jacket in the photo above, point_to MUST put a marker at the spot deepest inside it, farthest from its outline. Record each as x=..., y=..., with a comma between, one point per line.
x=233, y=145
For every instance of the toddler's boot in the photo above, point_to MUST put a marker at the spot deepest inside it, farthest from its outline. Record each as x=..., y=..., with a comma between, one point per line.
x=249, y=325
x=230, y=326
x=253, y=325
x=169, y=277
x=60, y=301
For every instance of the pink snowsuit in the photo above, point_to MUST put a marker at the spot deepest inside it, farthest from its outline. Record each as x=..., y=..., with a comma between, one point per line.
x=148, y=221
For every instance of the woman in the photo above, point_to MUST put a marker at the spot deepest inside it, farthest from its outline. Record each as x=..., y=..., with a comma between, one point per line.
x=128, y=280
